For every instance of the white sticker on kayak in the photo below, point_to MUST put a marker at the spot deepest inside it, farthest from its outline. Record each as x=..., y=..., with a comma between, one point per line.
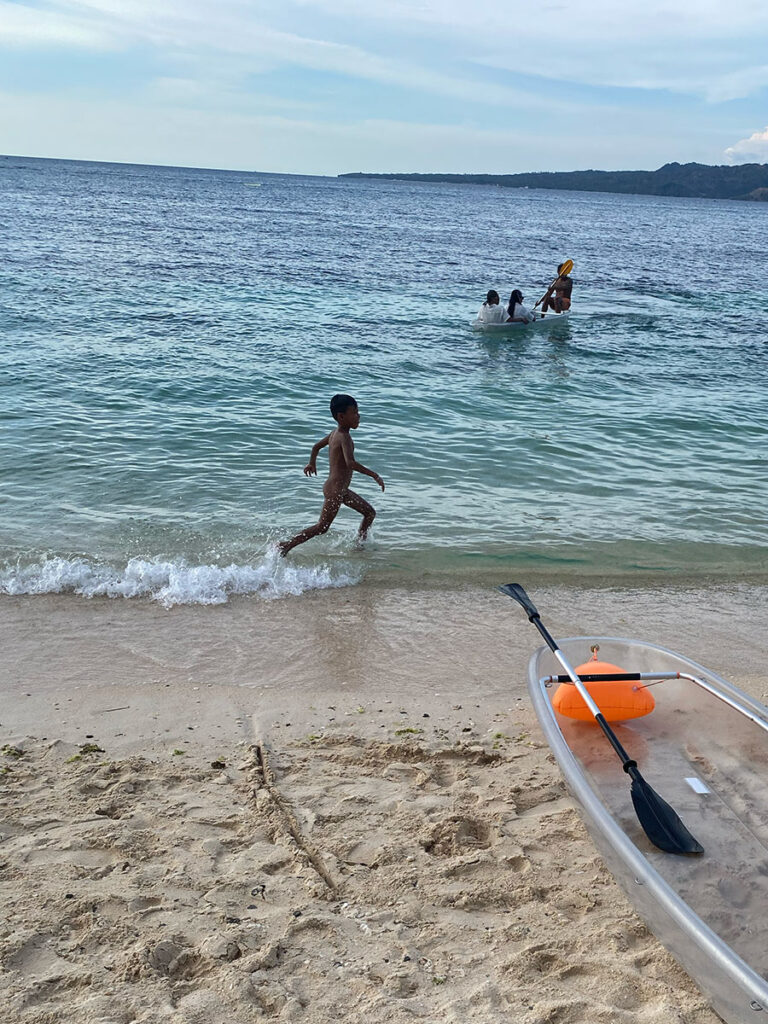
x=697, y=785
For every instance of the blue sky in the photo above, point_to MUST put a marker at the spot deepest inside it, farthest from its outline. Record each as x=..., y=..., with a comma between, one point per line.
x=326, y=86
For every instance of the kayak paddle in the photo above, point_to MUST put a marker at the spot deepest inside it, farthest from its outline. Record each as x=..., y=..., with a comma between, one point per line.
x=567, y=268
x=660, y=822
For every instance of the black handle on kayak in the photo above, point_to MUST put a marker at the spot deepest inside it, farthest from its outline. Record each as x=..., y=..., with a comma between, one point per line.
x=602, y=677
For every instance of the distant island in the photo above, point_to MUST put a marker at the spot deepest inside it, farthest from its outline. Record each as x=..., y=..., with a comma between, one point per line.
x=693, y=181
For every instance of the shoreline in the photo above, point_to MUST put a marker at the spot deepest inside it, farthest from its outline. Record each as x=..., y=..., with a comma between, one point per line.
x=670, y=181
x=364, y=638
x=300, y=809
x=369, y=626
x=167, y=583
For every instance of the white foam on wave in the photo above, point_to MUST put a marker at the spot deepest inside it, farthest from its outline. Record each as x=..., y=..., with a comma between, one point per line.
x=172, y=582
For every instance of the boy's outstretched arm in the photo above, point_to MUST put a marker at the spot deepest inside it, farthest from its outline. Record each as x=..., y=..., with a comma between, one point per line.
x=311, y=469
x=349, y=457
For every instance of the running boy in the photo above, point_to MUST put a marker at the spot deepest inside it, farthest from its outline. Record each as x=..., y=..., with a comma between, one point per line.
x=342, y=464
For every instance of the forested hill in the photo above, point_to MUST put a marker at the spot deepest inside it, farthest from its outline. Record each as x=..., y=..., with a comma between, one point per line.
x=744, y=181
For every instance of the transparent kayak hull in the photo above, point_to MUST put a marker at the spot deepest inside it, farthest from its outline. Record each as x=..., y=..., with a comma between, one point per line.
x=704, y=749
x=542, y=320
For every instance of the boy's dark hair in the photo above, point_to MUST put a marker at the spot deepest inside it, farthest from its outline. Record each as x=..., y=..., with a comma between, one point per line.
x=340, y=403
x=492, y=294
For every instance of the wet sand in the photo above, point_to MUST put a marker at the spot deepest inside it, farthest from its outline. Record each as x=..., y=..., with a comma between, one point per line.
x=338, y=807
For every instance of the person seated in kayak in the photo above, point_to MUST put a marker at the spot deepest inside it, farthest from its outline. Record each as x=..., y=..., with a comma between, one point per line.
x=558, y=295
x=491, y=311
x=517, y=313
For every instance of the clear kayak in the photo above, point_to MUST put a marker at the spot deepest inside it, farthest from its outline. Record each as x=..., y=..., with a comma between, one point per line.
x=548, y=319
x=704, y=749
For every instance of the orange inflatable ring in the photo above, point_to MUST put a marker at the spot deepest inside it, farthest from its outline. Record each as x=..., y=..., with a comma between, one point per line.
x=618, y=699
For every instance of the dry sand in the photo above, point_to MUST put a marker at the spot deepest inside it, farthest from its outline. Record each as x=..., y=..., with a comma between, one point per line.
x=337, y=808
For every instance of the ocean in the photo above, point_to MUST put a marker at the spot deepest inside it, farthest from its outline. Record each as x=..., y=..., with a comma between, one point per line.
x=170, y=339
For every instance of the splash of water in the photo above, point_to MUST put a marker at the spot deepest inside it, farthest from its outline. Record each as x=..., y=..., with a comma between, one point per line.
x=172, y=582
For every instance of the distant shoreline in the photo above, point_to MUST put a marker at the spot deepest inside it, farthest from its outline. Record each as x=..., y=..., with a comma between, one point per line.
x=746, y=182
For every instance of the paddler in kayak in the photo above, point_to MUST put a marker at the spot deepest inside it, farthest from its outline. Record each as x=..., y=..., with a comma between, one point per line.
x=558, y=295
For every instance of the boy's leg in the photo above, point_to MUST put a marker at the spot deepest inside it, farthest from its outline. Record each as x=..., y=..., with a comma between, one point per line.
x=331, y=507
x=368, y=512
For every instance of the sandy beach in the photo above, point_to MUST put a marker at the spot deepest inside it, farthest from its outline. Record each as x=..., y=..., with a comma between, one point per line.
x=332, y=808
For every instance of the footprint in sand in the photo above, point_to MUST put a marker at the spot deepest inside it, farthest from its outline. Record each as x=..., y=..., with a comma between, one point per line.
x=457, y=835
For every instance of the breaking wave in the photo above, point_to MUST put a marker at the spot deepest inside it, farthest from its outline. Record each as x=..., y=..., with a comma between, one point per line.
x=172, y=582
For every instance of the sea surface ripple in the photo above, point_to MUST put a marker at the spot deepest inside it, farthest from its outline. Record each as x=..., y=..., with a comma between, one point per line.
x=170, y=338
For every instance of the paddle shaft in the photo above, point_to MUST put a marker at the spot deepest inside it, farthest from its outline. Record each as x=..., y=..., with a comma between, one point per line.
x=546, y=293
x=628, y=764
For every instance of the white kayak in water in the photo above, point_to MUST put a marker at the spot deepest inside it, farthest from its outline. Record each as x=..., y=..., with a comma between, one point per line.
x=542, y=319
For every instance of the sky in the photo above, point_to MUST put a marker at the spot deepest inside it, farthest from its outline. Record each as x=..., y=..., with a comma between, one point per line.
x=328, y=86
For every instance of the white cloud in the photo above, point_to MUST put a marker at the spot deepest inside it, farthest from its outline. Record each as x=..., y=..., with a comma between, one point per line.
x=205, y=57
x=699, y=47
x=751, y=150
x=26, y=27
x=693, y=47
x=737, y=85
x=243, y=47
x=556, y=29
x=575, y=19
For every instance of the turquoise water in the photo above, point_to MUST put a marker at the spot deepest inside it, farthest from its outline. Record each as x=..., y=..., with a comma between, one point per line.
x=169, y=340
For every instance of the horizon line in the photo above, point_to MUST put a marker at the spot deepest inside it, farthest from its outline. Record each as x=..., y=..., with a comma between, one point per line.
x=340, y=174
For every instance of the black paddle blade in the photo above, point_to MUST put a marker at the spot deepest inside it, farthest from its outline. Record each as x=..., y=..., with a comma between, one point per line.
x=662, y=825
x=516, y=592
